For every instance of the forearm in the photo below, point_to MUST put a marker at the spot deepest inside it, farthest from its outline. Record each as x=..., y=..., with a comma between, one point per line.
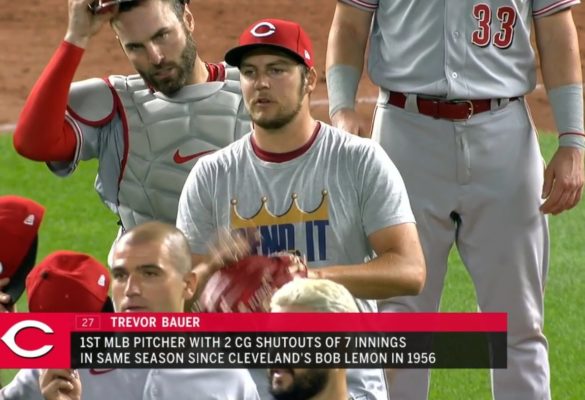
x=348, y=37
x=42, y=133
x=346, y=46
x=558, y=47
x=561, y=69
x=386, y=276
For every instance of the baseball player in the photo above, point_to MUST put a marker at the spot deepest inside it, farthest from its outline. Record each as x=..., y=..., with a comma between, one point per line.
x=303, y=185
x=452, y=116
x=146, y=130
x=151, y=272
x=310, y=295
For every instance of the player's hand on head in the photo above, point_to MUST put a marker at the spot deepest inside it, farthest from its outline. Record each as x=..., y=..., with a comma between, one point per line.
x=227, y=248
x=83, y=23
x=60, y=384
x=349, y=121
x=563, y=181
x=5, y=301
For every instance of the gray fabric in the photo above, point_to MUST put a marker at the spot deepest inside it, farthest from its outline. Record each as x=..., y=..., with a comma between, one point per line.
x=145, y=384
x=324, y=203
x=460, y=69
x=139, y=177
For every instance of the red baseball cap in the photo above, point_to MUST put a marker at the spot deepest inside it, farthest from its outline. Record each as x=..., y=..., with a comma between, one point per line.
x=277, y=33
x=67, y=281
x=20, y=219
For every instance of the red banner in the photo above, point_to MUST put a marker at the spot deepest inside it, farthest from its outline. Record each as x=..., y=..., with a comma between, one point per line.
x=43, y=340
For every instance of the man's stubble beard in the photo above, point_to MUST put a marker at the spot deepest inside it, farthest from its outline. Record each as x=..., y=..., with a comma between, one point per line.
x=303, y=386
x=284, y=118
x=184, y=70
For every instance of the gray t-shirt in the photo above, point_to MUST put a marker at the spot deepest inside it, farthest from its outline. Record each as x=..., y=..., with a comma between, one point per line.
x=324, y=203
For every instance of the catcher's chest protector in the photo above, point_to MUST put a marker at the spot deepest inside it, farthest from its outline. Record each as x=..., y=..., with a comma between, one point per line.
x=166, y=136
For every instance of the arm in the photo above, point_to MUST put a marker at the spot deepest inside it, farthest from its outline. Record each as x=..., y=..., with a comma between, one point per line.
x=398, y=270
x=388, y=222
x=42, y=134
x=346, y=46
x=561, y=69
x=24, y=385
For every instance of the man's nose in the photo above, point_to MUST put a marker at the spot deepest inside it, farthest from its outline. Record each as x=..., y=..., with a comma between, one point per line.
x=262, y=81
x=132, y=286
x=155, y=54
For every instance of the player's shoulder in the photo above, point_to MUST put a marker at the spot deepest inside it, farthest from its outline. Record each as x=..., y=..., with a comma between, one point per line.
x=351, y=149
x=91, y=100
x=127, y=82
x=223, y=383
x=202, y=373
x=231, y=73
x=545, y=8
x=231, y=78
x=226, y=157
x=346, y=141
x=24, y=385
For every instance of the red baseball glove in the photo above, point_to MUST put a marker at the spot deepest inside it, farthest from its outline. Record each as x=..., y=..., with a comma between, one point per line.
x=248, y=285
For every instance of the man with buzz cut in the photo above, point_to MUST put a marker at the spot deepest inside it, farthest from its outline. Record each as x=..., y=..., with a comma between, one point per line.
x=151, y=272
x=304, y=186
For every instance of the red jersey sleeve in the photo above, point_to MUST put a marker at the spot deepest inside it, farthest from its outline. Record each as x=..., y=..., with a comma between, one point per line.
x=42, y=133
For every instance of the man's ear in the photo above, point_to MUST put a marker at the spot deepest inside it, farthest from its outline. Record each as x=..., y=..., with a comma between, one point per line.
x=191, y=282
x=188, y=19
x=311, y=80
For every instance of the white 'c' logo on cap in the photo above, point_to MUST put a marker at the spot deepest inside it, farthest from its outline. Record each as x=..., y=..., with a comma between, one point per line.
x=270, y=29
x=1, y=267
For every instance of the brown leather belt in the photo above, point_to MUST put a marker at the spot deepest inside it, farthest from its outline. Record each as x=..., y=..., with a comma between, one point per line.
x=455, y=110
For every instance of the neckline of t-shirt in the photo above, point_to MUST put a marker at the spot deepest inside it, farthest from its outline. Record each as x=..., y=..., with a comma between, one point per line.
x=279, y=158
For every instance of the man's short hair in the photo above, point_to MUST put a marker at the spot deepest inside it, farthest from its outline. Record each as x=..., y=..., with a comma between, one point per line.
x=320, y=295
x=165, y=235
x=178, y=7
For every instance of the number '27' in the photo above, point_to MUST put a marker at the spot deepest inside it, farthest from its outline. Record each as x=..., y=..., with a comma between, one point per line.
x=482, y=36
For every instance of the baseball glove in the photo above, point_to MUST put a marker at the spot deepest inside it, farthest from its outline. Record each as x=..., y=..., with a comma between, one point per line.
x=248, y=285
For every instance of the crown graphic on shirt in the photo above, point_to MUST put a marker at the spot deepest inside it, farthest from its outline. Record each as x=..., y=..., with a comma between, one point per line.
x=293, y=215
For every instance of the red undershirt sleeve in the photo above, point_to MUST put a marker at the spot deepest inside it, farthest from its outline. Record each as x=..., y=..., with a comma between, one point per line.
x=42, y=134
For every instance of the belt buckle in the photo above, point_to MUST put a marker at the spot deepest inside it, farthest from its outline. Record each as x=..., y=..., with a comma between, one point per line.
x=470, y=112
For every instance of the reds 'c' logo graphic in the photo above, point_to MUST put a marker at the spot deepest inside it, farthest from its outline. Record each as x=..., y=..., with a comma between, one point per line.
x=10, y=338
x=263, y=29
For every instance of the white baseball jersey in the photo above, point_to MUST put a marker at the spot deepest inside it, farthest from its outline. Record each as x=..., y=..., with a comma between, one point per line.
x=453, y=48
x=145, y=384
x=324, y=203
x=146, y=142
x=474, y=183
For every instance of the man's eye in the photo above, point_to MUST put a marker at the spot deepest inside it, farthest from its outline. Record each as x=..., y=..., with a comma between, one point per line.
x=161, y=36
x=118, y=275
